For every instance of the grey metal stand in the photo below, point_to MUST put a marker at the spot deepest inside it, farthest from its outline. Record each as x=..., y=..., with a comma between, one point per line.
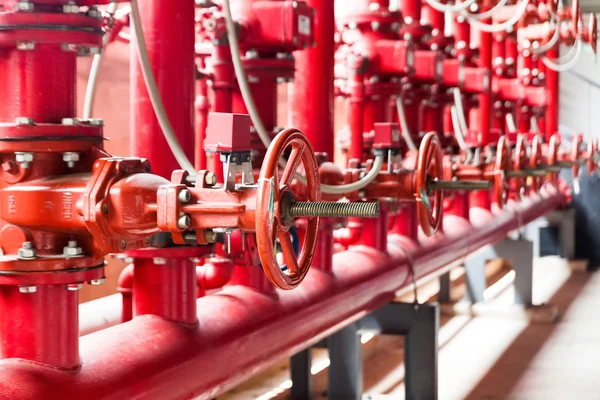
x=564, y=220
x=300, y=365
x=520, y=251
x=418, y=323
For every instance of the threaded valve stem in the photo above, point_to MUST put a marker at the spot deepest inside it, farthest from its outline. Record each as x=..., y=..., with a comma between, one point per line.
x=334, y=209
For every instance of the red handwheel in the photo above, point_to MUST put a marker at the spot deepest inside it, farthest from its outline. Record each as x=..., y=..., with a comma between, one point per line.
x=592, y=153
x=575, y=153
x=273, y=197
x=536, y=161
x=520, y=163
x=501, y=184
x=553, y=147
x=429, y=167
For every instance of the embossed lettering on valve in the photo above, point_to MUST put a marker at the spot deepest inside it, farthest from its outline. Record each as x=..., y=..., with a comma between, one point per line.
x=67, y=205
x=12, y=204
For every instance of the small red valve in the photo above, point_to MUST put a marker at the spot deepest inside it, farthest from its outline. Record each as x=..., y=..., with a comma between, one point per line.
x=592, y=156
x=520, y=163
x=536, y=161
x=501, y=184
x=575, y=153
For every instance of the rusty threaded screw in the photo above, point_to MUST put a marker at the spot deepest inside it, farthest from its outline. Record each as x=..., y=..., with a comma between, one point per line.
x=459, y=185
x=334, y=209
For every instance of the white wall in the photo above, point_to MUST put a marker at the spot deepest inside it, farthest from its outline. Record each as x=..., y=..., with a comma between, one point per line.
x=579, y=110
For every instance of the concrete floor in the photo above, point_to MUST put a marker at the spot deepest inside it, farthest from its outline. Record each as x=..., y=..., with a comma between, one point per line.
x=488, y=357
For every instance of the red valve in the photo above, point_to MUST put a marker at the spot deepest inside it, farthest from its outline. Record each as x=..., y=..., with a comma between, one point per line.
x=592, y=165
x=575, y=14
x=520, y=163
x=501, y=184
x=429, y=166
x=592, y=32
x=535, y=161
x=273, y=193
x=575, y=152
x=553, y=157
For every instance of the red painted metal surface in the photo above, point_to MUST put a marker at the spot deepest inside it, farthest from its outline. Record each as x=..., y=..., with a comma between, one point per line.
x=259, y=329
x=169, y=33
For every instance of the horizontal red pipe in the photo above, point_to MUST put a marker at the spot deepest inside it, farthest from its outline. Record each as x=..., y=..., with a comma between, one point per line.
x=242, y=331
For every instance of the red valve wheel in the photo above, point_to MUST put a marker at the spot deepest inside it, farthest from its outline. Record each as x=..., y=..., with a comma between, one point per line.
x=501, y=184
x=520, y=163
x=592, y=153
x=429, y=166
x=575, y=153
x=553, y=157
x=536, y=161
x=273, y=193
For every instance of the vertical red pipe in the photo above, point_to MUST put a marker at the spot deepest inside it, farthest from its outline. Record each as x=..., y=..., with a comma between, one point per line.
x=411, y=9
x=169, y=32
x=311, y=95
x=41, y=326
x=406, y=223
x=38, y=84
x=552, y=90
x=375, y=231
x=165, y=287
x=202, y=109
x=485, y=99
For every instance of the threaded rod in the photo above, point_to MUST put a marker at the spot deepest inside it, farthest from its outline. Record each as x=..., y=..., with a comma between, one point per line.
x=459, y=185
x=334, y=209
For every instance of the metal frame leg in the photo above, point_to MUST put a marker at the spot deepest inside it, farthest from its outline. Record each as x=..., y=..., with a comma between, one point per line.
x=418, y=323
x=565, y=221
x=346, y=368
x=521, y=253
x=300, y=365
x=445, y=293
x=475, y=281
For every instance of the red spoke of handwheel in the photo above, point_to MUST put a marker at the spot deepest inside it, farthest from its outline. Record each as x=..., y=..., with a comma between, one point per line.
x=292, y=165
x=287, y=248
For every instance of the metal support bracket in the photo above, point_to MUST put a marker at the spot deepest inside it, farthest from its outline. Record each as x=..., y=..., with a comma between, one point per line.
x=564, y=220
x=418, y=323
x=300, y=366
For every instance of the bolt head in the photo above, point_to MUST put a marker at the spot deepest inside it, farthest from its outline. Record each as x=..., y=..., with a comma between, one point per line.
x=70, y=121
x=184, y=222
x=73, y=287
x=159, y=260
x=210, y=236
x=72, y=249
x=210, y=179
x=27, y=289
x=94, y=13
x=26, y=252
x=97, y=282
x=185, y=196
x=25, y=46
x=20, y=121
x=70, y=8
x=24, y=6
x=95, y=50
x=71, y=157
x=95, y=121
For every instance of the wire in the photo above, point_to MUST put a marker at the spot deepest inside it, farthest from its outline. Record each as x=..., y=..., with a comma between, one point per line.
x=460, y=109
x=460, y=137
x=153, y=92
x=506, y=25
x=486, y=14
x=90, y=91
x=236, y=58
x=553, y=40
x=560, y=67
x=510, y=123
x=404, y=125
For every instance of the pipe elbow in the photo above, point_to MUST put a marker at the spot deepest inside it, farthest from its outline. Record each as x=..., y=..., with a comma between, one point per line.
x=215, y=274
x=125, y=282
x=349, y=235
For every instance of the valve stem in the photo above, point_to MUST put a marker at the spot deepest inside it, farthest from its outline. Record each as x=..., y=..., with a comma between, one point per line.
x=334, y=209
x=459, y=185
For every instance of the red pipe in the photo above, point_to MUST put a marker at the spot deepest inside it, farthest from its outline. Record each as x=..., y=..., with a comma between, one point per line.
x=40, y=327
x=242, y=331
x=215, y=273
x=38, y=84
x=553, y=97
x=165, y=287
x=202, y=108
x=170, y=35
x=125, y=287
x=311, y=95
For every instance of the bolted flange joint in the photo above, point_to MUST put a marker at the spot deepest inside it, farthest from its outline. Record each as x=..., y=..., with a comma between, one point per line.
x=26, y=252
